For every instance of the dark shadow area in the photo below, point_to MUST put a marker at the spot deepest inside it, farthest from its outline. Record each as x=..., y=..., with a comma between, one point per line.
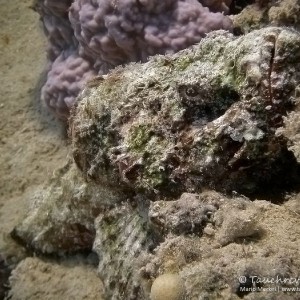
x=237, y=6
x=57, y=256
x=5, y=271
x=285, y=180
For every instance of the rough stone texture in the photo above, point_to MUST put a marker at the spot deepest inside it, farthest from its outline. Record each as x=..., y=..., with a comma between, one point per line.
x=210, y=269
x=61, y=217
x=179, y=218
x=286, y=13
x=291, y=129
x=100, y=35
x=34, y=279
x=203, y=118
x=267, y=12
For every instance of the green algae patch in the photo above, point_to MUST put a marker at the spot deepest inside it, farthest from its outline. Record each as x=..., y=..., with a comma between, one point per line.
x=139, y=136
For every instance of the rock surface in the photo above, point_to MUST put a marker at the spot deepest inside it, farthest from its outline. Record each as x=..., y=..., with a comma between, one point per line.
x=264, y=13
x=243, y=238
x=206, y=240
x=61, y=216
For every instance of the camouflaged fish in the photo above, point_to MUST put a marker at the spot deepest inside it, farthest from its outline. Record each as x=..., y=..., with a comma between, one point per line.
x=208, y=117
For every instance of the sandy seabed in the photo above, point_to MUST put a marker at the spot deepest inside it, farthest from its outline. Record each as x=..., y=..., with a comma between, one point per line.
x=32, y=145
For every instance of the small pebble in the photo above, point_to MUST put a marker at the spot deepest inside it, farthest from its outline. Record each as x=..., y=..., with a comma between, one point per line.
x=167, y=287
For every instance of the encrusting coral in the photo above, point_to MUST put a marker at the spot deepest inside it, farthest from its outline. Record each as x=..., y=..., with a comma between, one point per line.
x=91, y=37
x=150, y=139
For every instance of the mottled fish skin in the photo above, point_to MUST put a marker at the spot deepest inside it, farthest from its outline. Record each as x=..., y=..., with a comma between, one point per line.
x=205, y=117
x=121, y=236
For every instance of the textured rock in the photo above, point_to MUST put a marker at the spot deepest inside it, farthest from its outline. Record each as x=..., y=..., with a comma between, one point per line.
x=205, y=117
x=177, y=217
x=291, y=128
x=208, y=262
x=264, y=13
x=211, y=270
x=62, y=215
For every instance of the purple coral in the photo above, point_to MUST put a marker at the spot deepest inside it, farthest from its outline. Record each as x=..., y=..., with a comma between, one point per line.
x=89, y=37
x=67, y=76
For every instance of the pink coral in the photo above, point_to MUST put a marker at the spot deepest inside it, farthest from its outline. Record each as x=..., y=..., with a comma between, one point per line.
x=107, y=33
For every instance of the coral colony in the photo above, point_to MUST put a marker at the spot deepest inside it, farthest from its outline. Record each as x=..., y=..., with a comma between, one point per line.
x=88, y=37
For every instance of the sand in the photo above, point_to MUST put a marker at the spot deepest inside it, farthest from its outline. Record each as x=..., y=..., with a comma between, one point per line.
x=32, y=141
x=32, y=145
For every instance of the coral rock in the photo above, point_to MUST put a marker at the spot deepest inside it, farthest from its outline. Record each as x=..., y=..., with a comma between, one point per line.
x=151, y=140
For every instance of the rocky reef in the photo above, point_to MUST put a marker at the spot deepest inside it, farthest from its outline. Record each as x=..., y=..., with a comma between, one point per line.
x=239, y=243
x=62, y=214
x=167, y=155
x=261, y=13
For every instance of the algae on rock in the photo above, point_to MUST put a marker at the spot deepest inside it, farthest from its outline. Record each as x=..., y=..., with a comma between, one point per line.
x=264, y=13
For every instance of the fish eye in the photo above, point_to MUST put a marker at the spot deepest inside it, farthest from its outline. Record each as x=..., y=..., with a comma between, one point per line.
x=191, y=91
x=189, y=94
